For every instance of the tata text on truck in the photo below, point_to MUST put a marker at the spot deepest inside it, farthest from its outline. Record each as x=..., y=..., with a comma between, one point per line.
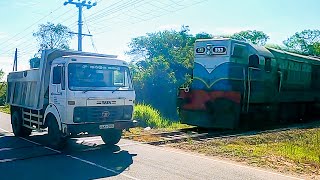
x=72, y=93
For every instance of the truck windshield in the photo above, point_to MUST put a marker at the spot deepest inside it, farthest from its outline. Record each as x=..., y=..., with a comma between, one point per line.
x=84, y=76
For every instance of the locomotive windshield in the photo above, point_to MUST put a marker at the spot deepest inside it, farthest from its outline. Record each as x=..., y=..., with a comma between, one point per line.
x=84, y=76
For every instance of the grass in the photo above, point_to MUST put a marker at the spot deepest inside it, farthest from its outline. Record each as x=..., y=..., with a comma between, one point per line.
x=296, y=151
x=5, y=109
x=150, y=117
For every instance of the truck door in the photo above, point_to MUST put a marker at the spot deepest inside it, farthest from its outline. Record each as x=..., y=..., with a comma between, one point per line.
x=57, y=89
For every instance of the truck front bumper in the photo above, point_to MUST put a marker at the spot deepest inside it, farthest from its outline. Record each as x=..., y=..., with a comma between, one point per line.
x=95, y=128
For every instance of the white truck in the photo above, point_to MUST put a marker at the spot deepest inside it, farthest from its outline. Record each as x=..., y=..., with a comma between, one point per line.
x=72, y=93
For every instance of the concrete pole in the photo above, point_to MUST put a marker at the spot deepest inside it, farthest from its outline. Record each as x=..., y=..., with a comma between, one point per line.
x=80, y=5
x=80, y=29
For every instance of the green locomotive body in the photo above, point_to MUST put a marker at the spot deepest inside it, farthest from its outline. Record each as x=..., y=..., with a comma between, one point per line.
x=234, y=79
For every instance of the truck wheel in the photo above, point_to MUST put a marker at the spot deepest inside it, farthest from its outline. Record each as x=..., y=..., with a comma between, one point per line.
x=56, y=138
x=111, y=136
x=17, y=127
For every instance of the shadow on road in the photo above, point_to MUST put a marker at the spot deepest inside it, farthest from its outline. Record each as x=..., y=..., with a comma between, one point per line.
x=20, y=159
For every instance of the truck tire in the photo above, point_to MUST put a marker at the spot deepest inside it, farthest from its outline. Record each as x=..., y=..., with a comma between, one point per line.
x=17, y=126
x=111, y=136
x=56, y=139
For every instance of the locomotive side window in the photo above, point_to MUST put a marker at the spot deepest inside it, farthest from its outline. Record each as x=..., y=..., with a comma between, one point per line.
x=254, y=61
x=267, y=65
x=239, y=50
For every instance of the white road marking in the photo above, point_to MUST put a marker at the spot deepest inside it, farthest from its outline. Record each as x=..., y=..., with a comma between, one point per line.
x=102, y=167
x=77, y=158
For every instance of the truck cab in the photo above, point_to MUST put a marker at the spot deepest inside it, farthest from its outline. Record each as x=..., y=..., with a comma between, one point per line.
x=75, y=94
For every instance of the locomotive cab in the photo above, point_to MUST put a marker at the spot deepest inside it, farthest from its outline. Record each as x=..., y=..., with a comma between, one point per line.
x=222, y=81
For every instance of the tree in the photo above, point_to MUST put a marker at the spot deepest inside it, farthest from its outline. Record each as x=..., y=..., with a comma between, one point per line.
x=175, y=47
x=1, y=74
x=163, y=61
x=255, y=37
x=155, y=85
x=51, y=36
x=306, y=42
x=203, y=35
x=275, y=46
x=3, y=88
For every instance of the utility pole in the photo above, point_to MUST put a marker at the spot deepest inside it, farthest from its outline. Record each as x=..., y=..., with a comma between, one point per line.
x=80, y=5
x=15, y=61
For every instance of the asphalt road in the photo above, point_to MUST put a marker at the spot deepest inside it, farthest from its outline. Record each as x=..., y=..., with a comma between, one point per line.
x=89, y=158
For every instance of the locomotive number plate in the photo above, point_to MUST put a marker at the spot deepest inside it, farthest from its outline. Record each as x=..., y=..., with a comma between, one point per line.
x=106, y=126
x=219, y=50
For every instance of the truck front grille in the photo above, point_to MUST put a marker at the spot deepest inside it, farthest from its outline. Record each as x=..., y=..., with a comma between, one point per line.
x=99, y=114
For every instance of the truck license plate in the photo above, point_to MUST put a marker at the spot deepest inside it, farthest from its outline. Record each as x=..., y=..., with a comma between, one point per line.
x=106, y=126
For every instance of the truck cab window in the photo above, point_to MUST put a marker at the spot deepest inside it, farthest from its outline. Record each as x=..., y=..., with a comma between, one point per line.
x=254, y=61
x=56, y=75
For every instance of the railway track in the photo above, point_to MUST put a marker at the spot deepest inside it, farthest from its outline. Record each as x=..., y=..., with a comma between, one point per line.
x=205, y=135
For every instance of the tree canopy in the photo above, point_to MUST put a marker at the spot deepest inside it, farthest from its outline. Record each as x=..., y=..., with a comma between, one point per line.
x=1, y=74
x=255, y=37
x=51, y=36
x=304, y=42
x=3, y=88
x=162, y=62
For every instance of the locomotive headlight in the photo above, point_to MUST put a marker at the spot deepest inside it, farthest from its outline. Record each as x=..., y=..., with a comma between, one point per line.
x=209, y=47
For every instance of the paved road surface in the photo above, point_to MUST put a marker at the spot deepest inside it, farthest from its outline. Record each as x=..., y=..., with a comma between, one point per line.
x=88, y=158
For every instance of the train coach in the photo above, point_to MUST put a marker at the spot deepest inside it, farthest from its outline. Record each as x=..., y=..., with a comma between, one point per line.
x=233, y=79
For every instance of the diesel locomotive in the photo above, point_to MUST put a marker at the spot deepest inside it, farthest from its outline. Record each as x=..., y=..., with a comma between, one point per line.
x=232, y=80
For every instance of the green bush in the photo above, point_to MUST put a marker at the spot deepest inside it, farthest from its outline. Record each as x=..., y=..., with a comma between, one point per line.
x=5, y=109
x=148, y=116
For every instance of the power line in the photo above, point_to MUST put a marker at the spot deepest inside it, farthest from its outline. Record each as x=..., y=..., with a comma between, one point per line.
x=116, y=9
x=92, y=42
x=29, y=26
x=156, y=16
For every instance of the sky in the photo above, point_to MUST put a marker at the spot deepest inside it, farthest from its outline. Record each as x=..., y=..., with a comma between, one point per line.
x=113, y=23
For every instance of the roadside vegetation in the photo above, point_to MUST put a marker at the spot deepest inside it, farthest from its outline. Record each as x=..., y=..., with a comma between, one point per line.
x=150, y=122
x=150, y=117
x=295, y=151
x=5, y=109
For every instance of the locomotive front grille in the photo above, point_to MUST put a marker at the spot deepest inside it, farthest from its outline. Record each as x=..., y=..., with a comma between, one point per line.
x=101, y=114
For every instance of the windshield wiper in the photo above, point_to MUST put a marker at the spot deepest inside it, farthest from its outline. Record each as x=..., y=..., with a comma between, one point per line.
x=116, y=89
x=91, y=89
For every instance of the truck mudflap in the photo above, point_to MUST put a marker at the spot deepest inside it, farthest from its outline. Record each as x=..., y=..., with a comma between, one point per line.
x=97, y=128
